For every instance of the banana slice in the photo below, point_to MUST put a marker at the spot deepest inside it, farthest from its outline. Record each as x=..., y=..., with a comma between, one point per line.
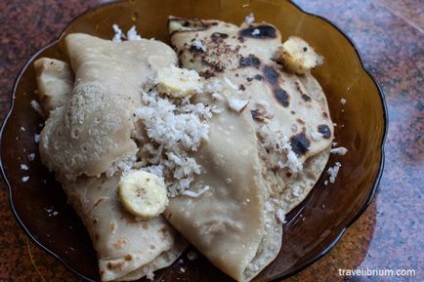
x=298, y=56
x=143, y=194
x=178, y=82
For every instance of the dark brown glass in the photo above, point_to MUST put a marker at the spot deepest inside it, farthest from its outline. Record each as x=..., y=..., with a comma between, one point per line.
x=311, y=229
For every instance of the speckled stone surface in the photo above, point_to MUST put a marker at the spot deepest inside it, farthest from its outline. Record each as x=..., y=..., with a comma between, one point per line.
x=389, y=35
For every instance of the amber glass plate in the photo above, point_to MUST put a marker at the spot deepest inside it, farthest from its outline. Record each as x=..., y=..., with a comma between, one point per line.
x=311, y=230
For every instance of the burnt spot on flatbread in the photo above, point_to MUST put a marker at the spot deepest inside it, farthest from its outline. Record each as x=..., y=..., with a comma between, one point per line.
x=324, y=130
x=257, y=77
x=271, y=75
x=190, y=25
x=241, y=39
x=242, y=87
x=249, y=61
x=257, y=115
x=325, y=115
x=165, y=232
x=300, y=121
x=218, y=37
x=206, y=74
x=259, y=32
x=306, y=98
x=281, y=96
x=300, y=143
x=115, y=265
x=128, y=257
x=186, y=23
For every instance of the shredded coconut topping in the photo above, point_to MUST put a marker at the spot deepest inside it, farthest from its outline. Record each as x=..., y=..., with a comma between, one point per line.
x=24, y=167
x=37, y=107
x=174, y=128
x=281, y=153
x=249, y=19
x=333, y=172
x=237, y=105
x=119, y=36
x=195, y=194
x=339, y=150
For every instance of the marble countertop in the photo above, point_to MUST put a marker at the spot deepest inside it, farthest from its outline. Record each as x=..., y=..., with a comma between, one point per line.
x=389, y=35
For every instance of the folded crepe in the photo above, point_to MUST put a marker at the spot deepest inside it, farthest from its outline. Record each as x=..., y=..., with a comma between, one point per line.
x=290, y=112
x=232, y=175
x=232, y=221
x=267, y=147
x=88, y=143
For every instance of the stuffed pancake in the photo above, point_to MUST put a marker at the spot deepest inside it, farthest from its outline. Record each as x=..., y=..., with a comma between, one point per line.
x=290, y=111
x=88, y=142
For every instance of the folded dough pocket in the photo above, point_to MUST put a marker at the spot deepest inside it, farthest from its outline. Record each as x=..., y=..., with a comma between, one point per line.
x=92, y=131
x=290, y=112
x=87, y=142
x=225, y=211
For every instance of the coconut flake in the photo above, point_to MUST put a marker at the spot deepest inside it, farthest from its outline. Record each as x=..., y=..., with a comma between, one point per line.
x=237, y=105
x=37, y=107
x=339, y=150
x=333, y=172
x=195, y=194
x=230, y=83
x=256, y=31
x=118, y=33
x=281, y=215
x=132, y=34
x=24, y=167
x=31, y=157
x=249, y=19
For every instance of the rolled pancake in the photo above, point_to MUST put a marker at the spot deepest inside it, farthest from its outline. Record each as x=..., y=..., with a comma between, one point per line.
x=291, y=115
x=87, y=142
